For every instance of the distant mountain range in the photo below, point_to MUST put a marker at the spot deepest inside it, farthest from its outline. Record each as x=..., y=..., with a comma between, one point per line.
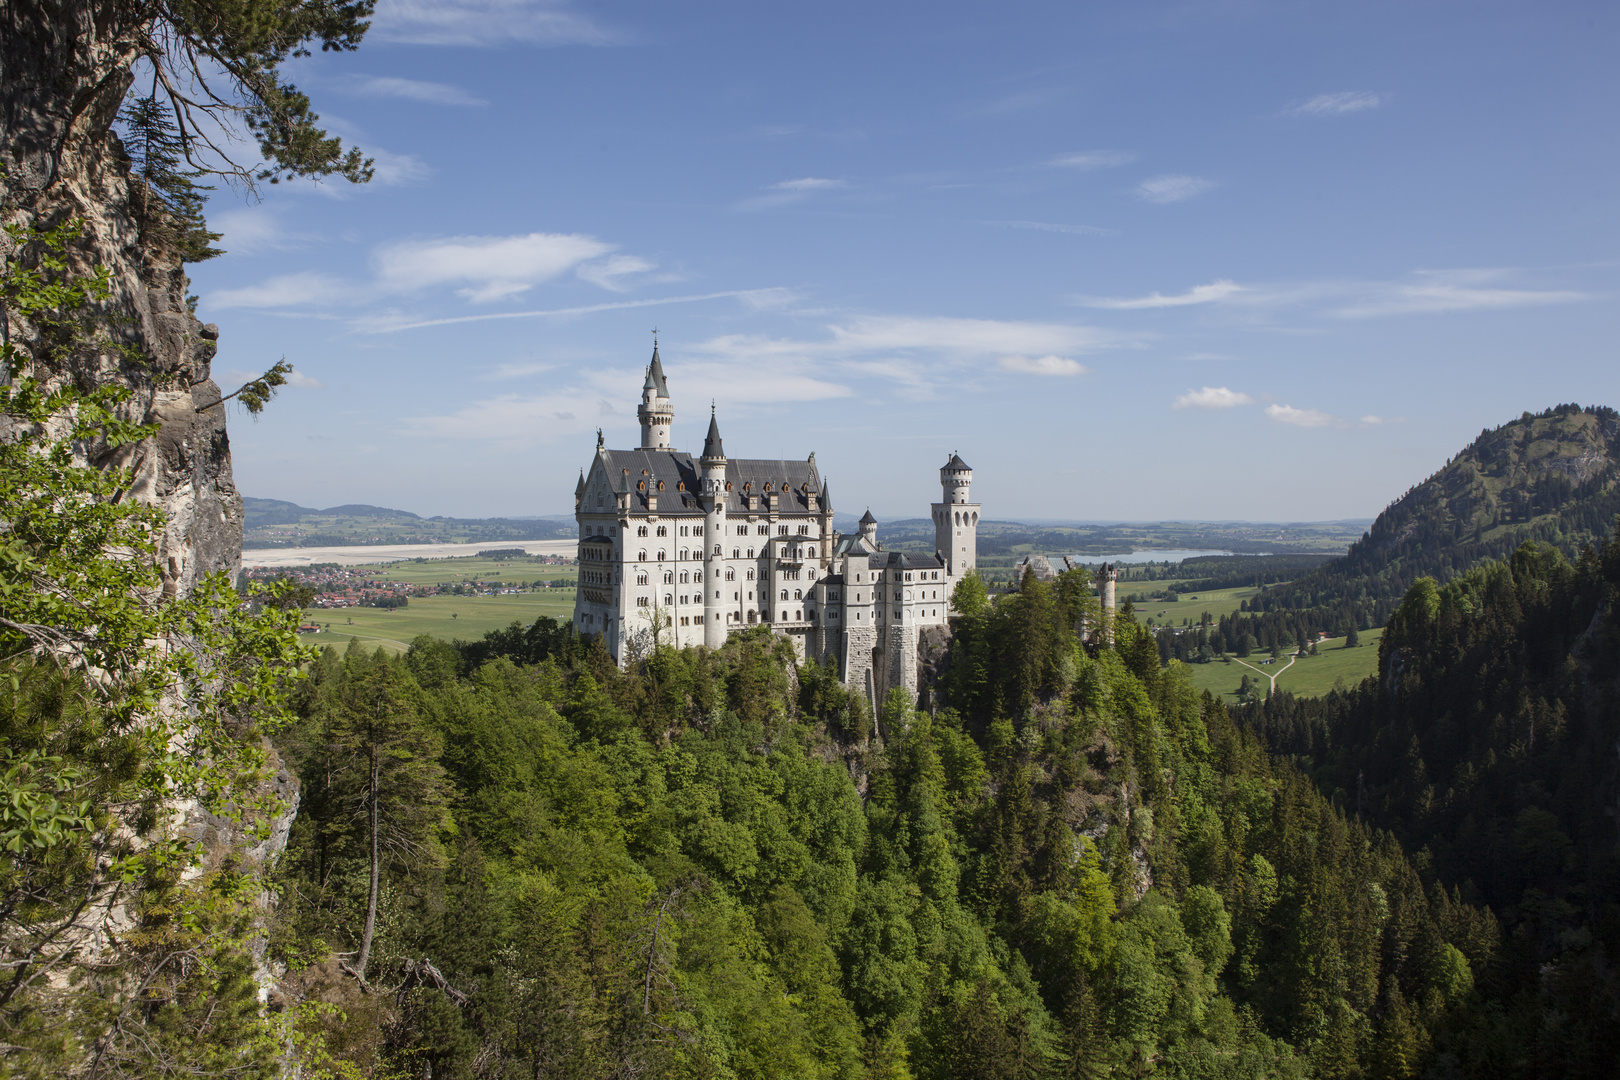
x=274, y=523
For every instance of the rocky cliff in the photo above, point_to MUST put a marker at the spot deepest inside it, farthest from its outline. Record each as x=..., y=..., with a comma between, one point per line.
x=64, y=70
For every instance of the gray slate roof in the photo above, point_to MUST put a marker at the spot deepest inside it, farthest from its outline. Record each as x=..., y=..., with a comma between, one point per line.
x=655, y=375
x=676, y=468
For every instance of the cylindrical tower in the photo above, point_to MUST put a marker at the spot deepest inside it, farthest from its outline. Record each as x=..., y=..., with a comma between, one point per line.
x=956, y=519
x=955, y=478
x=1107, y=575
x=712, y=495
x=655, y=412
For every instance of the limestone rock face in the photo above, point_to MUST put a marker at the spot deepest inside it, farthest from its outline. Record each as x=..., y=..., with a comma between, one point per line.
x=64, y=69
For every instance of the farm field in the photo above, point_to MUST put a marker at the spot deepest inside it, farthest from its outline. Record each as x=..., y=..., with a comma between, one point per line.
x=465, y=617
x=440, y=571
x=1310, y=676
x=1217, y=602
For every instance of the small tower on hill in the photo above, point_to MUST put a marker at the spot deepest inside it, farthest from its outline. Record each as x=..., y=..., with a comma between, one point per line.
x=1107, y=575
x=712, y=498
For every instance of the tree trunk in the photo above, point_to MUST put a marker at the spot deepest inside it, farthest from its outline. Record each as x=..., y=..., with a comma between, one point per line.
x=376, y=867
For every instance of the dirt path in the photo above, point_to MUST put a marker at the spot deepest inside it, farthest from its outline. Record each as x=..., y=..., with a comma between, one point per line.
x=1268, y=675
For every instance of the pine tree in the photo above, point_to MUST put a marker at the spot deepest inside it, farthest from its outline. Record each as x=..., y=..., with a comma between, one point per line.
x=166, y=196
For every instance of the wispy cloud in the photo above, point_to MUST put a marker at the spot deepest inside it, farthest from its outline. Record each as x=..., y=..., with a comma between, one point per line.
x=412, y=90
x=492, y=267
x=393, y=321
x=1211, y=397
x=1443, y=291
x=611, y=273
x=486, y=22
x=1339, y=102
x=249, y=232
x=1172, y=188
x=392, y=170
x=1055, y=227
x=790, y=191
x=1214, y=292
x=1042, y=365
x=306, y=289
x=1287, y=414
x=1088, y=160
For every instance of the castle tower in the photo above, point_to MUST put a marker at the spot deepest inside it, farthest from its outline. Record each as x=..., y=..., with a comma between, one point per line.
x=956, y=520
x=1107, y=575
x=655, y=411
x=869, y=527
x=712, y=497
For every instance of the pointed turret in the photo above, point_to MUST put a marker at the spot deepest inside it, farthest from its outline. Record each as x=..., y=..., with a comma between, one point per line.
x=826, y=496
x=655, y=412
x=711, y=442
x=869, y=527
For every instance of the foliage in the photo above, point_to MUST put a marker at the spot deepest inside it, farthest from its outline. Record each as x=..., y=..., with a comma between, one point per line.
x=167, y=198
x=122, y=701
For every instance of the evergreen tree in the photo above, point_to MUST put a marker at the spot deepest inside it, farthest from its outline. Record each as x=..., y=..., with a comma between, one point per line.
x=166, y=196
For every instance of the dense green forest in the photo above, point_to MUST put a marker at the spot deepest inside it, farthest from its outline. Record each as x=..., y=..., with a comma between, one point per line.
x=721, y=864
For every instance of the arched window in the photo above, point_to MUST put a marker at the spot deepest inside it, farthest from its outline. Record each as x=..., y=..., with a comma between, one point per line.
x=736, y=553
x=668, y=599
x=663, y=530
x=660, y=486
x=798, y=594
x=641, y=485
x=784, y=594
x=660, y=554
x=959, y=517
x=975, y=519
x=641, y=556
x=641, y=579
x=669, y=577
x=684, y=577
x=810, y=551
x=717, y=549
x=750, y=575
x=642, y=531
x=731, y=575
x=750, y=553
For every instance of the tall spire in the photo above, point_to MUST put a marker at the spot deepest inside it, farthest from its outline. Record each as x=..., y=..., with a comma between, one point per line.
x=656, y=412
x=711, y=443
x=655, y=375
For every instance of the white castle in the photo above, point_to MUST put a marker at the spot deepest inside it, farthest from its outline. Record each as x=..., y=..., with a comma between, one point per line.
x=699, y=549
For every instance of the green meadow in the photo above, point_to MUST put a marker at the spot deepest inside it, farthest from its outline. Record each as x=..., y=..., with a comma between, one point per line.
x=1310, y=676
x=1190, y=607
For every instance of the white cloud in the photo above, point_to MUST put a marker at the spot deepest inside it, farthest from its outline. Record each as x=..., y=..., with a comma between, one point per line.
x=485, y=22
x=1452, y=290
x=391, y=170
x=610, y=272
x=493, y=267
x=1211, y=397
x=1094, y=159
x=1042, y=365
x=413, y=90
x=968, y=337
x=233, y=378
x=1339, y=102
x=1287, y=414
x=1215, y=291
x=248, y=232
x=790, y=191
x=1171, y=188
x=289, y=290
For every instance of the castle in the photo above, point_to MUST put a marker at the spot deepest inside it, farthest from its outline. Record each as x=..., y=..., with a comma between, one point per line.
x=690, y=551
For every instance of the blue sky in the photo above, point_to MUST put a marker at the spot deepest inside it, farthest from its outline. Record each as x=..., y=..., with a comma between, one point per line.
x=1133, y=261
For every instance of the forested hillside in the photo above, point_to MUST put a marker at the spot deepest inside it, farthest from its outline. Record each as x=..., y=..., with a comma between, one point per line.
x=719, y=864
x=1488, y=744
x=1552, y=477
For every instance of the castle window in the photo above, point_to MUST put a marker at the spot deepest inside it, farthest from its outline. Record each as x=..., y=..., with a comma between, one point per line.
x=804, y=530
x=681, y=486
x=642, y=601
x=683, y=620
x=641, y=556
x=747, y=487
x=642, y=486
x=810, y=551
x=764, y=530
x=697, y=530
x=742, y=530
x=812, y=573
x=731, y=575
x=660, y=485
x=728, y=485
x=798, y=616
x=736, y=553
x=781, y=530
x=642, y=531
x=685, y=554
x=684, y=577
x=641, y=579
x=750, y=575
x=784, y=594
x=798, y=594
x=663, y=530
x=669, y=577
x=660, y=555
x=975, y=519
x=717, y=549
x=750, y=553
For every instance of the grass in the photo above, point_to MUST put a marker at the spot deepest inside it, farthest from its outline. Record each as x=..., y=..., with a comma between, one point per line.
x=448, y=617
x=1217, y=602
x=1310, y=676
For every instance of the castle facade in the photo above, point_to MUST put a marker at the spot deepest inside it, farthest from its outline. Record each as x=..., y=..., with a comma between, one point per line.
x=692, y=550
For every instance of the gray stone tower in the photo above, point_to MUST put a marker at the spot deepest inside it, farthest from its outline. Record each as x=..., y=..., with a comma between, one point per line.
x=1107, y=575
x=956, y=520
x=712, y=497
x=655, y=411
x=868, y=528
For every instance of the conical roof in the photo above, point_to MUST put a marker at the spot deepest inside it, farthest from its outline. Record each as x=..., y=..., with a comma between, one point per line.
x=655, y=376
x=711, y=442
x=956, y=462
x=867, y=518
x=579, y=488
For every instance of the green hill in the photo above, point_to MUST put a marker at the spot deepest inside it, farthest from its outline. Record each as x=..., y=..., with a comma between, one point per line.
x=1552, y=477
